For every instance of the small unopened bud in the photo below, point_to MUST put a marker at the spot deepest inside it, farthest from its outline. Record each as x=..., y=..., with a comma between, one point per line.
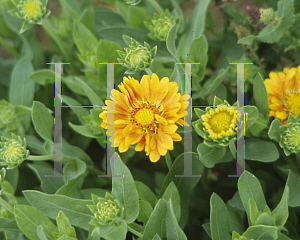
x=32, y=11
x=290, y=138
x=267, y=16
x=241, y=32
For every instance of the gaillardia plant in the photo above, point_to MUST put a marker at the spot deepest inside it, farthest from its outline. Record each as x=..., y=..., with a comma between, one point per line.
x=106, y=210
x=13, y=151
x=145, y=113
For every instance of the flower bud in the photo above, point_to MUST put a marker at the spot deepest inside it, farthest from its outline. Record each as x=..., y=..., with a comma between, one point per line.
x=137, y=57
x=12, y=151
x=241, y=32
x=267, y=16
x=92, y=124
x=32, y=11
x=106, y=210
x=290, y=138
x=252, y=13
x=160, y=26
x=7, y=113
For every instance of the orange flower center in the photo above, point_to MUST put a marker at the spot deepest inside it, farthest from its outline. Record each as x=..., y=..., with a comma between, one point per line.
x=292, y=102
x=143, y=116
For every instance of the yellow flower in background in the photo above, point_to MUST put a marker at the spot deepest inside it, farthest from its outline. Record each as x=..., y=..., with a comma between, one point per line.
x=220, y=124
x=145, y=113
x=283, y=90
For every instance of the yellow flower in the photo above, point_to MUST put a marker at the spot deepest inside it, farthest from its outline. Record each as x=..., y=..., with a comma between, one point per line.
x=283, y=90
x=220, y=124
x=145, y=113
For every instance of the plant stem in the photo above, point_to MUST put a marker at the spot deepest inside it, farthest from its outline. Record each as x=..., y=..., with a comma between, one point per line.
x=148, y=71
x=6, y=205
x=135, y=232
x=137, y=227
x=40, y=158
x=168, y=160
x=9, y=48
x=156, y=6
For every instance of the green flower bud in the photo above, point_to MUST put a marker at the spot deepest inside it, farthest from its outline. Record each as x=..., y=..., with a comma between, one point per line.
x=137, y=57
x=106, y=210
x=7, y=113
x=92, y=124
x=267, y=16
x=241, y=32
x=133, y=2
x=290, y=138
x=12, y=151
x=32, y=11
x=160, y=26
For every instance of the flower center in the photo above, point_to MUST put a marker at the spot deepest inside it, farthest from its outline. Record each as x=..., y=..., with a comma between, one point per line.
x=32, y=9
x=292, y=103
x=143, y=116
x=220, y=122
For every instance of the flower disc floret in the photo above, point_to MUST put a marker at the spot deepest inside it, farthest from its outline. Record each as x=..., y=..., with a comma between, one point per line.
x=160, y=26
x=283, y=90
x=145, y=114
x=13, y=151
x=220, y=124
x=137, y=57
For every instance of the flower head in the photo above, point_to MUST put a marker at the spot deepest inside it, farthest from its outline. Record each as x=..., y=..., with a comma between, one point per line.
x=220, y=124
x=290, y=138
x=106, y=210
x=13, y=151
x=137, y=57
x=145, y=113
x=7, y=113
x=32, y=11
x=160, y=26
x=283, y=90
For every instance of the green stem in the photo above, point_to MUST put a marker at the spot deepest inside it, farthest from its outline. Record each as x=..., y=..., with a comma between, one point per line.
x=136, y=226
x=168, y=160
x=9, y=48
x=135, y=232
x=6, y=205
x=148, y=71
x=40, y=158
x=156, y=6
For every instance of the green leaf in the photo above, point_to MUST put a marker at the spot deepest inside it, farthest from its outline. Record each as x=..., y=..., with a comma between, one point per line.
x=84, y=130
x=185, y=185
x=273, y=130
x=293, y=182
x=29, y=218
x=260, y=95
x=261, y=232
x=41, y=233
x=114, y=231
x=42, y=120
x=198, y=54
x=265, y=219
x=254, y=213
x=145, y=211
x=137, y=16
x=249, y=187
x=172, y=193
x=64, y=226
x=145, y=193
x=79, y=111
x=281, y=212
x=170, y=42
x=21, y=90
x=174, y=232
x=8, y=225
x=206, y=227
x=210, y=156
x=84, y=39
x=75, y=209
x=157, y=221
x=48, y=184
x=69, y=189
x=247, y=40
x=194, y=27
x=212, y=84
x=74, y=167
x=219, y=222
x=43, y=76
x=251, y=116
x=123, y=188
x=260, y=150
x=156, y=237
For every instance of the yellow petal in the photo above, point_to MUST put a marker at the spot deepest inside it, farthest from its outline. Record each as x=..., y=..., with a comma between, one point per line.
x=154, y=155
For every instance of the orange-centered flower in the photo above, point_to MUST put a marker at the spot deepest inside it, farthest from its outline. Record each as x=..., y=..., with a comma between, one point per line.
x=145, y=113
x=283, y=90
